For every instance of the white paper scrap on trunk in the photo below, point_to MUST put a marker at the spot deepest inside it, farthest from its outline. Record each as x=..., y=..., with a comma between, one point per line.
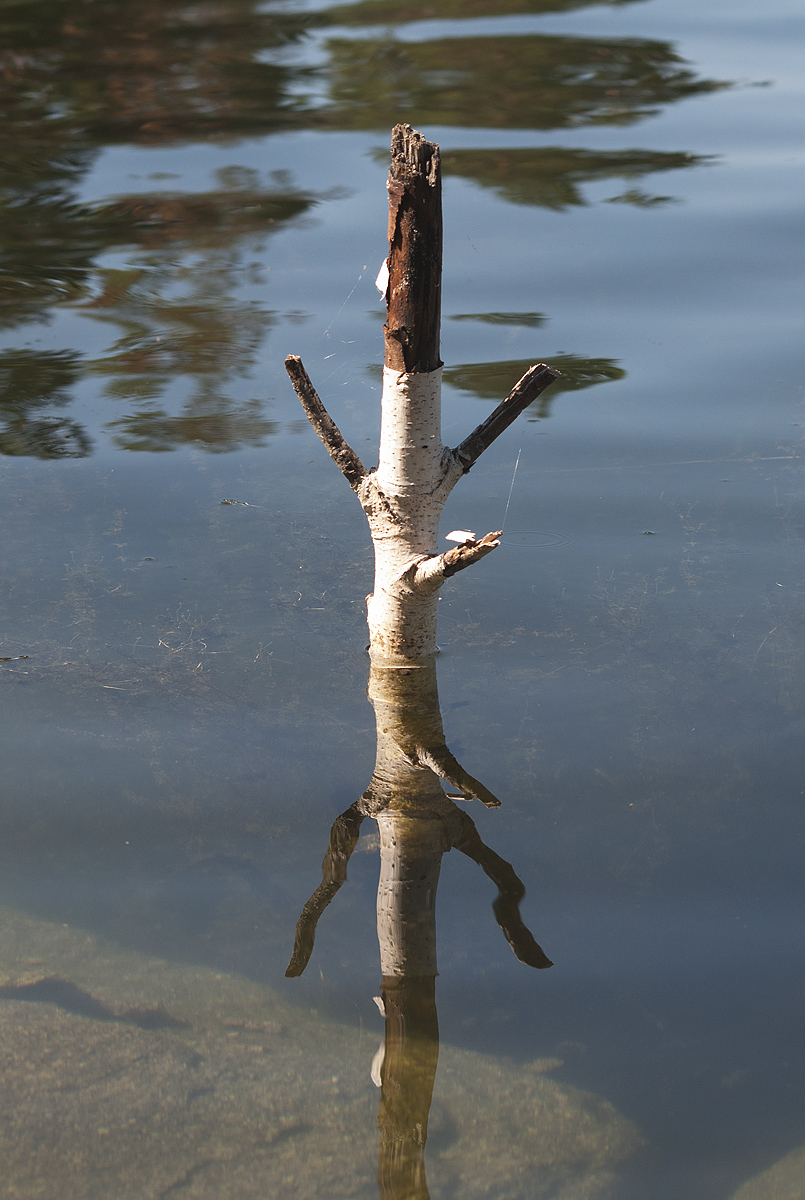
x=460, y=535
x=382, y=281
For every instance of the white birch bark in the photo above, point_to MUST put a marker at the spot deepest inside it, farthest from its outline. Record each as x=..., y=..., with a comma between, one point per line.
x=415, y=475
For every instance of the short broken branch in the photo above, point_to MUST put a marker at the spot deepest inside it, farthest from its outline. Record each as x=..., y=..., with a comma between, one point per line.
x=334, y=441
x=459, y=557
x=429, y=573
x=535, y=381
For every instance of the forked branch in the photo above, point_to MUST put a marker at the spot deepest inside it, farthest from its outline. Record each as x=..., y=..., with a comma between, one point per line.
x=535, y=381
x=334, y=441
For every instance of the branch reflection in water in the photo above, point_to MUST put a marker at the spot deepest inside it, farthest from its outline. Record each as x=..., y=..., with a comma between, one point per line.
x=418, y=823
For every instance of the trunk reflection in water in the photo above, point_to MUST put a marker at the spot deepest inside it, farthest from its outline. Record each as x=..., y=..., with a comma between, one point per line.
x=418, y=823
x=417, y=820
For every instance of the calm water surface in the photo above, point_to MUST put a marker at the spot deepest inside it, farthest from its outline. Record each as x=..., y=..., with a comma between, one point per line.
x=189, y=193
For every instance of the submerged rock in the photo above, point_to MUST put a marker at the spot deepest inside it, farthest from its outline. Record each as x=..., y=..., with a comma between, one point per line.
x=129, y=1078
x=783, y=1181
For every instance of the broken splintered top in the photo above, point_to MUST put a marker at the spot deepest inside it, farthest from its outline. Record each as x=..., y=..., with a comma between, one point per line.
x=413, y=293
x=412, y=155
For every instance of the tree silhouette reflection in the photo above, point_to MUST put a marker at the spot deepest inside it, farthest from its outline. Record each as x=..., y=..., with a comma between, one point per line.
x=487, y=380
x=80, y=77
x=77, y=78
x=33, y=387
x=552, y=176
x=526, y=82
x=381, y=12
x=175, y=308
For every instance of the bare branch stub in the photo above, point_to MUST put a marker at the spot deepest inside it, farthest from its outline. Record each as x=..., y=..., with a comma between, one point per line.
x=524, y=392
x=427, y=574
x=414, y=292
x=334, y=441
x=459, y=557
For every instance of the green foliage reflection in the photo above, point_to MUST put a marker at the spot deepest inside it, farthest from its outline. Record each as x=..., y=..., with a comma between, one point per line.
x=493, y=380
x=527, y=320
x=209, y=423
x=76, y=77
x=150, y=71
x=387, y=12
x=32, y=386
x=535, y=82
x=552, y=176
x=176, y=309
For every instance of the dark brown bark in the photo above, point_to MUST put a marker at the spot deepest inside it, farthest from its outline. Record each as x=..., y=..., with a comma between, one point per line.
x=414, y=295
x=535, y=381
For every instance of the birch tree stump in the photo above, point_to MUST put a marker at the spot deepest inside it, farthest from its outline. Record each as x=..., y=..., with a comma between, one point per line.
x=404, y=496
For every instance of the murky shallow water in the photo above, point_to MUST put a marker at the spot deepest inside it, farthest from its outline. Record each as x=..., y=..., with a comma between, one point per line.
x=184, y=684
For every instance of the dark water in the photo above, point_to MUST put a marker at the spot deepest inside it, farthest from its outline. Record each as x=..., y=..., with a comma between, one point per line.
x=189, y=193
